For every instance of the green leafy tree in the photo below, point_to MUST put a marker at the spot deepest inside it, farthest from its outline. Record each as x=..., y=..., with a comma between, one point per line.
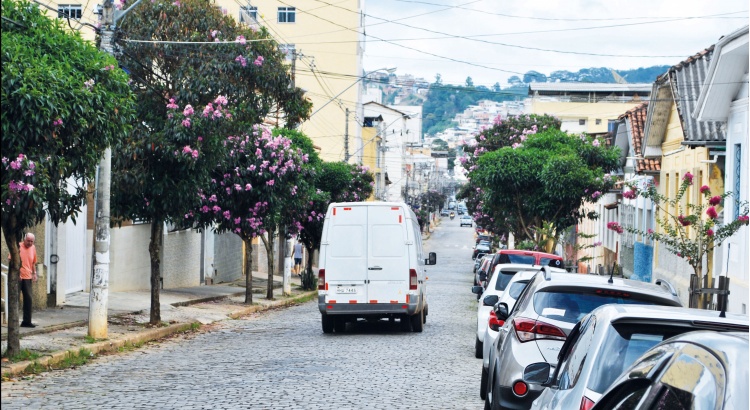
x=544, y=178
x=692, y=232
x=241, y=66
x=63, y=103
x=334, y=182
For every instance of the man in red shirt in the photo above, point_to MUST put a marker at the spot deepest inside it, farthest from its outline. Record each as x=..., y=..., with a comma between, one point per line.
x=28, y=274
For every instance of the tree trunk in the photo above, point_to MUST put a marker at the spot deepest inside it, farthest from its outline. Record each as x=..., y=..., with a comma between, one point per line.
x=697, y=302
x=248, y=270
x=154, y=250
x=12, y=238
x=271, y=264
x=307, y=277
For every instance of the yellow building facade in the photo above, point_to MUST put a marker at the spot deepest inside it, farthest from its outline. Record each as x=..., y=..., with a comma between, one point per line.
x=326, y=42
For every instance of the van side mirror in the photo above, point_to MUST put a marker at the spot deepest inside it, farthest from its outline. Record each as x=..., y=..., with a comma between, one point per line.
x=537, y=373
x=490, y=300
x=477, y=290
x=432, y=259
x=501, y=311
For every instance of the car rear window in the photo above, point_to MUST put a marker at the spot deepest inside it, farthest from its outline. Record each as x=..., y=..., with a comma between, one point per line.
x=572, y=306
x=630, y=342
x=504, y=278
x=511, y=258
x=546, y=261
x=516, y=288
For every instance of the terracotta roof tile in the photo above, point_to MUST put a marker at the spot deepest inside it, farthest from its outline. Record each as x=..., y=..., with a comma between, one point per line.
x=637, y=116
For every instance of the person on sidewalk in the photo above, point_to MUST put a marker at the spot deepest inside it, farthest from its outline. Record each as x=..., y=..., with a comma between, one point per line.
x=28, y=274
x=298, y=258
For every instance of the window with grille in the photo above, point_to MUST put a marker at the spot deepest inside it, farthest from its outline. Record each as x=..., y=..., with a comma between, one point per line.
x=628, y=219
x=248, y=14
x=288, y=50
x=73, y=11
x=287, y=14
x=582, y=122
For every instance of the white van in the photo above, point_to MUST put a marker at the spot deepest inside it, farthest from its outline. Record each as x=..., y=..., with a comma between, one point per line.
x=372, y=265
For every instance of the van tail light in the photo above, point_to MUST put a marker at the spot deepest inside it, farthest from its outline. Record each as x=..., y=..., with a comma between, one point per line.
x=322, y=279
x=494, y=322
x=586, y=403
x=412, y=279
x=529, y=329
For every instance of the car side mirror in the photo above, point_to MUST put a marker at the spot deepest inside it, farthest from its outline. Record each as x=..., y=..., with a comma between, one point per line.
x=537, y=373
x=490, y=300
x=477, y=290
x=501, y=311
x=431, y=259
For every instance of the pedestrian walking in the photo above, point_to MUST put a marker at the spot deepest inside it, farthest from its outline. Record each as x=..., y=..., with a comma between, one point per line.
x=28, y=275
x=298, y=258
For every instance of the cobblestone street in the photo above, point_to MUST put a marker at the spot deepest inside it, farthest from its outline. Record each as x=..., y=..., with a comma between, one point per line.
x=281, y=359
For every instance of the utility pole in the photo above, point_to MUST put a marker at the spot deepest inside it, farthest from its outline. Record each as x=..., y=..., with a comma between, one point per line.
x=98, y=297
x=346, y=137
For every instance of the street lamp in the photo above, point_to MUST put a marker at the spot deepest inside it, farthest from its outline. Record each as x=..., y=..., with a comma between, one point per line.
x=390, y=70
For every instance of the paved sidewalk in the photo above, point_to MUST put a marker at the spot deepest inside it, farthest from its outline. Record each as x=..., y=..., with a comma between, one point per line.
x=64, y=328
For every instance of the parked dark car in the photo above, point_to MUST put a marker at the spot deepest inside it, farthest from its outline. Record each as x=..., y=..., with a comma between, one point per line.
x=480, y=248
x=696, y=370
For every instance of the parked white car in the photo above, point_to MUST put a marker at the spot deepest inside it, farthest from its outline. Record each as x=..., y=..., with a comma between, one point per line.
x=496, y=286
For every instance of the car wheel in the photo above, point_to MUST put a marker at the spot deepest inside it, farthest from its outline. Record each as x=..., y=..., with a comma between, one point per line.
x=339, y=325
x=483, y=384
x=417, y=322
x=478, y=346
x=426, y=312
x=327, y=324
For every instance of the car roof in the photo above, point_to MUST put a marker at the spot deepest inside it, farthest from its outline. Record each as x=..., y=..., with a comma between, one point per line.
x=518, y=267
x=555, y=278
x=523, y=252
x=724, y=345
x=619, y=313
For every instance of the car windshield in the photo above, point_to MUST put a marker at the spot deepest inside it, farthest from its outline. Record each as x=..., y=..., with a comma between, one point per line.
x=625, y=344
x=572, y=306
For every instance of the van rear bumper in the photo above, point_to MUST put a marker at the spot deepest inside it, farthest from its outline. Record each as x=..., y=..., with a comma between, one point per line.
x=366, y=309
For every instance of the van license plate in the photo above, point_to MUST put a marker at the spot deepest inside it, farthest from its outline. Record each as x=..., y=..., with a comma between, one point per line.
x=342, y=289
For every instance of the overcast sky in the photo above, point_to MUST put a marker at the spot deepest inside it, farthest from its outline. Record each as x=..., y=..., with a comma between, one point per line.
x=491, y=40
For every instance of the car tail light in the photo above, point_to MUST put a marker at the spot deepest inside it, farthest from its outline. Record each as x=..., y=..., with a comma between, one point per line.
x=605, y=292
x=529, y=329
x=520, y=388
x=412, y=279
x=322, y=279
x=586, y=403
x=494, y=322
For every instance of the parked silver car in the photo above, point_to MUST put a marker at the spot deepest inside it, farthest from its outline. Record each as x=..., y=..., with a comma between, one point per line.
x=544, y=315
x=610, y=339
x=696, y=370
x=517, y=284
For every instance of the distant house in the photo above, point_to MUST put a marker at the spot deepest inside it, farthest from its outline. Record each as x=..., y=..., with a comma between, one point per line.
x=635, y=251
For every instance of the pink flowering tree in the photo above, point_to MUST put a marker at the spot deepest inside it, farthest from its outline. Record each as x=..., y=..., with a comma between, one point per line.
x=260, y=189
x=194, y=52
x=158, y=173
x=63, y=103
x=692, y=232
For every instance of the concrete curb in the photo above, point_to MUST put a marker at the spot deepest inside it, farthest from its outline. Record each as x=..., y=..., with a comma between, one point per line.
x=148, y=335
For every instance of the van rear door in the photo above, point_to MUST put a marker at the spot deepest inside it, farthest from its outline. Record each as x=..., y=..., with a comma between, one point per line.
x=388, y=255
x=346, y=258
